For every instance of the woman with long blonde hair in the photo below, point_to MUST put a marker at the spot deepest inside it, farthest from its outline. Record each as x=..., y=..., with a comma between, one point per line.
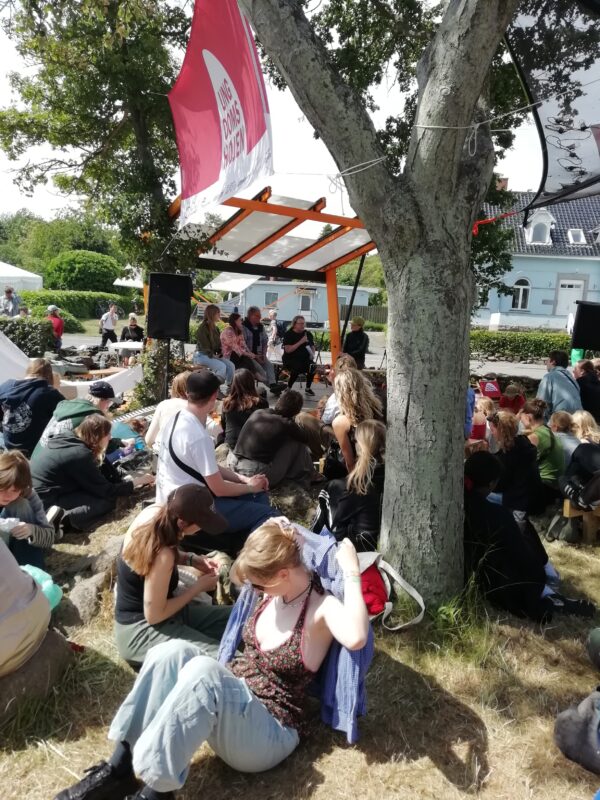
x=358, y=402
x=586, y=428
x=209, y=352
x=66, y=473
x=253, y=710
x=351, y=507
x=148, y=611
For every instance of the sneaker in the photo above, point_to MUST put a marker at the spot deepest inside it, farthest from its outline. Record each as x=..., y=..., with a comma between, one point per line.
x=100, y=783
x=309, y=391
x=55, y=516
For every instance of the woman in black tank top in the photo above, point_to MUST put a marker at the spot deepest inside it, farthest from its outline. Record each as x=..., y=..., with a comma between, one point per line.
x=149, y=610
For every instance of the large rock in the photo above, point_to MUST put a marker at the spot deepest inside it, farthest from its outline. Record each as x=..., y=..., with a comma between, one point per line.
x=82, y=603
x=35, y=679
x=294, y=502
x=107, y=558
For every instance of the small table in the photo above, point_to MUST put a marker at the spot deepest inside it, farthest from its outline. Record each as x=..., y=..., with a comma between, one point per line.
x=591, y=520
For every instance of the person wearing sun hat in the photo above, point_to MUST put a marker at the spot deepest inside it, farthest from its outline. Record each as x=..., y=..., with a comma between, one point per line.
x=356, y=343
x=149, y=610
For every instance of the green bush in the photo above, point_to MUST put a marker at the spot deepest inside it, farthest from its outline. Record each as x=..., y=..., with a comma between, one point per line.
x=375, y=326
x=82, y=269
x=72, y=324
x=32, y=336
x=82, y=305
x=524, y=345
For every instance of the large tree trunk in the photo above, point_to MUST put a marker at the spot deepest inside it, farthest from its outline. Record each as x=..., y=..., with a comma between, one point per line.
x=429, y=293
x=421, y=222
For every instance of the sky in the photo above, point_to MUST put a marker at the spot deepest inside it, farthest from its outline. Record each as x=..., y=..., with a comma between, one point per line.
x=303, y=165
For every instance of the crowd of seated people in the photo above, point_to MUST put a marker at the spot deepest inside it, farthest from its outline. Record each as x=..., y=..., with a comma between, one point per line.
x=292, y=619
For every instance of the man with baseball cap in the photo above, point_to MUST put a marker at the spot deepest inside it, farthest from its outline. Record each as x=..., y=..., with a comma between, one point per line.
x=58, y=325
x=69, y=414
x=187, y=455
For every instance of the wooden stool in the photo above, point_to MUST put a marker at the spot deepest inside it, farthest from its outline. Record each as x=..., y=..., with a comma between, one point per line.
x=591, y=520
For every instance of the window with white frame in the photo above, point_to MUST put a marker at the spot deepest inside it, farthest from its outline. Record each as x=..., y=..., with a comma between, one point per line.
x=271, y=298
x=539, y=228
x=521, y=289
x=540, y=233
x=576, y=236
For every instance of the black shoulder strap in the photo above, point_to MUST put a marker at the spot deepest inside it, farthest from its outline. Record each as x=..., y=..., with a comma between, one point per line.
x=183, y=467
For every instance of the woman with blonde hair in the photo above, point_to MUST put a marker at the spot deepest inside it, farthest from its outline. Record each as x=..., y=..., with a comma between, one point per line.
x=209, y=351
x=251, y=710
x=586, y=428
x=561, y=425
x=167, y=409
x=358, y=402
x=149, y=609
x=351, y=507
x=67, y=473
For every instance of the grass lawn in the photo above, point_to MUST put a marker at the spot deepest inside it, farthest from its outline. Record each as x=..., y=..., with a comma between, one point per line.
x=457, y=708
x=92, y=326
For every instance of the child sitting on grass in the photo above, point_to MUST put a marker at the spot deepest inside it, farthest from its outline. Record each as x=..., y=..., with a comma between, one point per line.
x=24, y=524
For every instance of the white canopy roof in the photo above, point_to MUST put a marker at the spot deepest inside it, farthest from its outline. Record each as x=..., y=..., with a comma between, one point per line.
x=228, y=282
x=134, y=282
x=19, y=278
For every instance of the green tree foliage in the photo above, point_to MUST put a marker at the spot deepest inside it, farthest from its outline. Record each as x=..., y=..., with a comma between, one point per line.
x=98, y=97
x=14, y=229
x=31, y=242
x=84, y=270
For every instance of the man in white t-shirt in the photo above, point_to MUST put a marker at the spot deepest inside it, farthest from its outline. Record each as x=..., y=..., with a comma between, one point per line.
x=108, y=323
x=187, y=455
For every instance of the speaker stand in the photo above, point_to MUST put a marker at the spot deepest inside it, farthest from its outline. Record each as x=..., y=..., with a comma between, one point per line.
x=167, y=369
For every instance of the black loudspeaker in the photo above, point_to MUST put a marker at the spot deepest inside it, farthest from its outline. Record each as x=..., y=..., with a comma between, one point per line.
x=169, y=306
x=586, y=329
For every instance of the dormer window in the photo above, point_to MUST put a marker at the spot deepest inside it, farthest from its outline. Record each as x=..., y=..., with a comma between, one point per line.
x=540, y=227
x=576, y=236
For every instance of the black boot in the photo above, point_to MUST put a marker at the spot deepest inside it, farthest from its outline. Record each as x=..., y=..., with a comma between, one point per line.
x=101, y=783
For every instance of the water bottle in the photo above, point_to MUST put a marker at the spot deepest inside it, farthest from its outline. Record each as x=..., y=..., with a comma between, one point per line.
x=139, y=443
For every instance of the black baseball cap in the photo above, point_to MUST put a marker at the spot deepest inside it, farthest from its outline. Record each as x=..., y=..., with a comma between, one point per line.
x=202, y=384
x=195, y=504
x=102, y=390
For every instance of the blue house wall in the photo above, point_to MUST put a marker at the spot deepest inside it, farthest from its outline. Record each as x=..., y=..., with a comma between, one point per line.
x=544, y=274
x=289, y=302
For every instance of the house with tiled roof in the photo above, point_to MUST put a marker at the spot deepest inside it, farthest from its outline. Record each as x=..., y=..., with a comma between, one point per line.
x=555, y=262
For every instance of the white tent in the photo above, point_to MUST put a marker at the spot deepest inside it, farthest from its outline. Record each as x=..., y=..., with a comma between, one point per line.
x=13, y=361
x=135, y=281
x=19, y=278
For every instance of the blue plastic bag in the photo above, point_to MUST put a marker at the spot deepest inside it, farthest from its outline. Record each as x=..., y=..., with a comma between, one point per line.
x=52, y=592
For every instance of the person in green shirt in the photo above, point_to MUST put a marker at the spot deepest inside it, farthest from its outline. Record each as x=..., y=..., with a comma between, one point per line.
x=550, y=456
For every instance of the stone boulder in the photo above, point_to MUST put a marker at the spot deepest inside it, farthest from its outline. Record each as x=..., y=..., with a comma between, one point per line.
x=36, y=678
x=298, y=504
x=81, y=605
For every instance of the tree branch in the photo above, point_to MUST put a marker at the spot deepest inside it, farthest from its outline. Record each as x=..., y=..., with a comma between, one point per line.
x=334, y=110
x=451, y=76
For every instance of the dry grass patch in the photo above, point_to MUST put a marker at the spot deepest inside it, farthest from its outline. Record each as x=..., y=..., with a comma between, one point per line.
x=459, y=707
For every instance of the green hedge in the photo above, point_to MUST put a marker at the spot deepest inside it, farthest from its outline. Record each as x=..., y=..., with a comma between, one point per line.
x=32, y=336
x=82, y=270
x=83, y=305
x=525, y=345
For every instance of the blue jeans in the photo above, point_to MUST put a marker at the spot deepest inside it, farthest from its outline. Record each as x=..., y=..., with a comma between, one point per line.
x=24, y=552
x=222, y=367
x=182, y=699
x=247, y=512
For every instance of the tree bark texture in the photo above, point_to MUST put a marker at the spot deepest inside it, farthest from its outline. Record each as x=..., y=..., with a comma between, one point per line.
x=421, y=222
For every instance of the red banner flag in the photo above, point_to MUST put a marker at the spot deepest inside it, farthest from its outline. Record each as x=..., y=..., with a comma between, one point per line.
x=220, y=110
